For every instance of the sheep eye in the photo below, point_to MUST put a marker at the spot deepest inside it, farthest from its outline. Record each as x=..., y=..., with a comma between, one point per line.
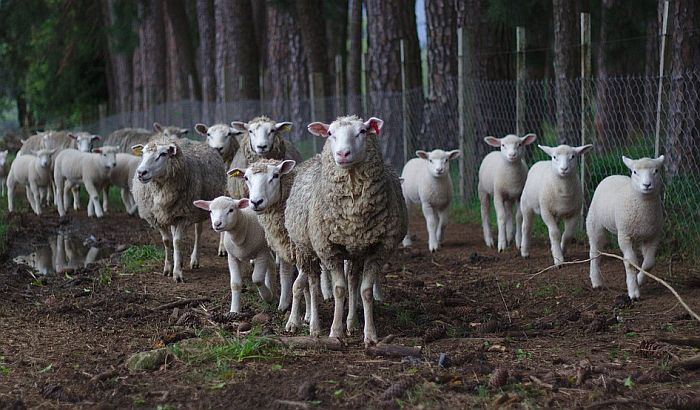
x=363, y=131
x=245, y=178
x=230, y=210
x=329, y=133
x=634, y=172
x=656, y=171
x=275, y=176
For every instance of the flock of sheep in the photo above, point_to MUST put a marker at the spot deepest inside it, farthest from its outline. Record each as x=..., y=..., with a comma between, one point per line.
x=333, y=219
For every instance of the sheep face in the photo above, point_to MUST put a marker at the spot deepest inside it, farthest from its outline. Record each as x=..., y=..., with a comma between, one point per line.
x=154, y=160
x=347, y=138
x=646, y=175
x=511, y=145
x=261, y=134
x=84, y=140
x=169, y=132
x=223, y=211
x=3, y=158
x=108, y=156
x=264, y=183
x=564, y=158
x=438, y=161
x=44, y=156
x=218, y=136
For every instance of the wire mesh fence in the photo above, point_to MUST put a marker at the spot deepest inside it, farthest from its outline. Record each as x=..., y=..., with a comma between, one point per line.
x=619, y=118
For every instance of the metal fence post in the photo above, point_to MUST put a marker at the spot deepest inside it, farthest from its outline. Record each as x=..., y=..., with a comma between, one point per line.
x=520, y=82
x=662, y=55
x=404, y=102
x=467, y=162
x=585, y=97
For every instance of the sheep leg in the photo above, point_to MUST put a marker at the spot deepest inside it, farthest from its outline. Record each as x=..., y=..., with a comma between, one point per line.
x=30, y=198
x=307, y=302
x=105, y=199
x=66, y=194
x=443, y=216
x=554, y=236
x=3, y=191
x=294, y=321
x=10, y=183
x=222, y=248
x=167, y=242
x=649, y=254
x=596, y=241
x=369, y=275
x=58, y=196
x=485, y=203
x=326, y=284
x=407, y=239
x=340, y=291
x=271, y=275
x=431, y=220
x=510, y=231
x=194, y=258
x=569, y=229
x=377, y=289
x=354, y=272
x=518, y=225
x=260, y=272
x=94, y=195
x=527, y=215
x=314, y=290
x=286, y=275
x=76, y=197
x=234, y=269
x=177, y=231
x=627, y=248
x=37, y=197
x=499, y=204
x=124, y=193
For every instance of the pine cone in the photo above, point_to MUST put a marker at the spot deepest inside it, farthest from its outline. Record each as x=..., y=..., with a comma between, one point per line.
x=461, y=312
x=498, y=378
x=434, y=333
x=492, y=326
x=397, y=389
x=650, y=348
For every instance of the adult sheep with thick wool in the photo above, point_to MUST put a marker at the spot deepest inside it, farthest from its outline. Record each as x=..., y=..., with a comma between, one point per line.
x=426, y=181
x=346, y=205
x=34, y=173
x=122, y=176
x=244, y=239
x=631, y=208
x=171, y=176
x=553, y=190
x=125, y=138
x=502, y=176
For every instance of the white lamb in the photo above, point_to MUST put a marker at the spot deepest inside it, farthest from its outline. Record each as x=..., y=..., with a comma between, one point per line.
x=244, y=240
x=4, y=169
x=426, y=180
x=553, y=190
x=122, y=177
x=632, y=209
x=89, y=168
x=502, y=175
x=34, y=173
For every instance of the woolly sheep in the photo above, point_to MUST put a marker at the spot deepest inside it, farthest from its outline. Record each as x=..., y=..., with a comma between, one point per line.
x=33, y=172
x=553, y=190
x=122, y=177
x=347, y=204
x=89, y=168
x=426, y=180
x=502, y=176
x=42, y=259
x=83, y=142
x=631, y=208
x=126, y=138
x=58, y=140
x=172, y=174
x=244, y=241
x=261, y=138
x=4, y=169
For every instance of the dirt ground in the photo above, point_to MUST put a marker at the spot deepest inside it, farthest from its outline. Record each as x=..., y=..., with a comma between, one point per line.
x=509, y=339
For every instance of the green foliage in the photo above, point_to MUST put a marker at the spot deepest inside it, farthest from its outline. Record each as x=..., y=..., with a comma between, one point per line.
x=135, y=257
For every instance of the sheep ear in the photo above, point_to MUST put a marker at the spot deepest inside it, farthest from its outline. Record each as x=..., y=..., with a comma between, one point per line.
x=239, y=126
x=283, y=126
x=157, y=127
x=23, y=141
x=454, y=154
x=172, y=150
x=201, y=129
x=547, y=150
x=375, y=124
x=660, y=160
x=242, y=203
x=70, y=135
x=202, y=204
x=95, y=137
x=286, y=166
x=628, y=162
x=528, y=139
x=493, y=141
x=236, y=172
x=422, y=154
x=52, y=151
x=183, y=131
x=137, y=149
x=583, y=149
x=318, y=128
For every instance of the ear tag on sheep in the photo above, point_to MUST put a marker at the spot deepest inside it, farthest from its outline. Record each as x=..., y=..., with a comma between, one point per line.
x=137, y=150
x=235, y=173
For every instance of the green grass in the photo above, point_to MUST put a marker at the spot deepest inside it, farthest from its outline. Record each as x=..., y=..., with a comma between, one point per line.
x=139, y=258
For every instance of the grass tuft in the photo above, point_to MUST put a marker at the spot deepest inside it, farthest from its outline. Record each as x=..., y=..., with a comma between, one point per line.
x=139, y=258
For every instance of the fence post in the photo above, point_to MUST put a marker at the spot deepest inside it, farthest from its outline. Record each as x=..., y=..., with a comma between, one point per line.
x=317, y=104
x=585, y=97
x=520, y=84
x=261, y=86
x=224, y=108
x=365, y=83
x=467, y=162
x=239, y=97
x=339, y=92
x=404, y=102
x=662, y=55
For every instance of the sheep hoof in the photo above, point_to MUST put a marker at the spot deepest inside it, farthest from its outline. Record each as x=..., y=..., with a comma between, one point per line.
x=291, y=326
x=371, y=340
x=407, y=242
x=337, y=333
x=223, y=253
x=194, y=264
x=178, y=279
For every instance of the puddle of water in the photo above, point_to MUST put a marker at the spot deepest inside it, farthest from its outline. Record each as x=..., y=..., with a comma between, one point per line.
x=64, y=252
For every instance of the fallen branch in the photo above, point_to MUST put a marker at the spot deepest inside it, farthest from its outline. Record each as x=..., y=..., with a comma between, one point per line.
x=389, y=350
x=661, y=281
x=608, y=403
x=681, y=340
x=308, y=342
x=290, y=403
x=689, y=364
x=182, y=302
x=540, y=383
x=108, y=374
x=548, y=268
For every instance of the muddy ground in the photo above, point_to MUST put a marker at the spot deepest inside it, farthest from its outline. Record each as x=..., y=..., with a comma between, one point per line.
x=509, y=338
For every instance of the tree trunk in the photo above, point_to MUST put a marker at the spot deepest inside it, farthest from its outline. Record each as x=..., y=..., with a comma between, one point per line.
x=313, y=35
x=224, y=73
x=207, y=57
x=441, y=105
x=152, y=40
x=119, y=67
x=683, y=139
x=137, y=95
x=651, y=67
x=566, y=68
x=244, y=55
x=354, y=66
x=335, y=15
x=184, y=48
x=389, y=21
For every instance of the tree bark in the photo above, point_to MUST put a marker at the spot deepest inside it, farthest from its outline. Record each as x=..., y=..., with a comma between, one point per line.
x=389, y=21
x=354, y=66
x=183, y=49
x=683, y=138
x=119, y=64
x=335, y=15
x=566, y=67
x=224, y=73
x=207, y=57
x=152, y=40
x=313, y=35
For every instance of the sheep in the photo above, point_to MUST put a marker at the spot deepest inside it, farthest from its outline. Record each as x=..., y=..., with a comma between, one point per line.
x=126, y=138
x=58, y=140
x=4, y=169
x=345, y=205
x=32, y=171
x=83, y=142
x=122, y=177
x=89, y=168
x=502, y=175
x=262, y=138
x=631, y=208
x=244, y=240
x=222, y=138
x=42, y=259
x=172, y=174
x=426, y=180
x=553, y=190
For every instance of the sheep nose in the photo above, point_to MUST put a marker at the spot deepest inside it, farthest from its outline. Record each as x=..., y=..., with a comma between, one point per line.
x=141, y=173
x=343, y=154
x=217, y=224
x=220, y=149
x=256, y=203
x=262, y=147
x=647, y=185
